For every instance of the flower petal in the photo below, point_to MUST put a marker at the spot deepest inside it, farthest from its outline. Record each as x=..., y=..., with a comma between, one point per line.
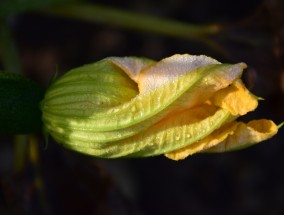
x=132, y=66
x=246, y=135
x=236, y=98
x=169, y=69
x=231, y=136
x=211, y=140
x=172, y=133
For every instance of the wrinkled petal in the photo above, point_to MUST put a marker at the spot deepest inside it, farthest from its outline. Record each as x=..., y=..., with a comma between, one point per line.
x=246, y=135
x=211, y=140
x=232, y=136
x=236, y=98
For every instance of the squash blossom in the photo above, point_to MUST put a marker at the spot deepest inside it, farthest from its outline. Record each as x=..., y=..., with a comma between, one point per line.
x=136, y=107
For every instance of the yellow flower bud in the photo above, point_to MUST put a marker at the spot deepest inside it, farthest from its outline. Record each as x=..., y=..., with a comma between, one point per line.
x=136, y=107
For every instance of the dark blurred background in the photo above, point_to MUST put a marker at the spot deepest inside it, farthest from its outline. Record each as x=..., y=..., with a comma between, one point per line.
x=59, y=181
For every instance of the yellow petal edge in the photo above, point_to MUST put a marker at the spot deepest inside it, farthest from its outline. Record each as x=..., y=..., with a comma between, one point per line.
x=230, y=137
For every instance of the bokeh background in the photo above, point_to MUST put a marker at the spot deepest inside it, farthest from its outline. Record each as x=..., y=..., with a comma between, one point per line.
x=42, y=178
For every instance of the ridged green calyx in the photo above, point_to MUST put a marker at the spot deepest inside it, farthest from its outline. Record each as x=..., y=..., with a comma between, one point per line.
x=136, y=107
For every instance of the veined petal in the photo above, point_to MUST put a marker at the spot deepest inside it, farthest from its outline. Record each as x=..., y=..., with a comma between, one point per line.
x=210, y=141
x=231, y=136
x=172, y=133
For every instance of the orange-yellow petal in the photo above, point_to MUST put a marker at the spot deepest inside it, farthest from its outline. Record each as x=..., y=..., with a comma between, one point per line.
x=246, y=135
x=230, y=137
x=236, y=98
x=211, y=140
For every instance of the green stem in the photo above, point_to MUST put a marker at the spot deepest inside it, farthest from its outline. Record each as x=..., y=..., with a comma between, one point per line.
x=24, y=145
x=131, y=20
